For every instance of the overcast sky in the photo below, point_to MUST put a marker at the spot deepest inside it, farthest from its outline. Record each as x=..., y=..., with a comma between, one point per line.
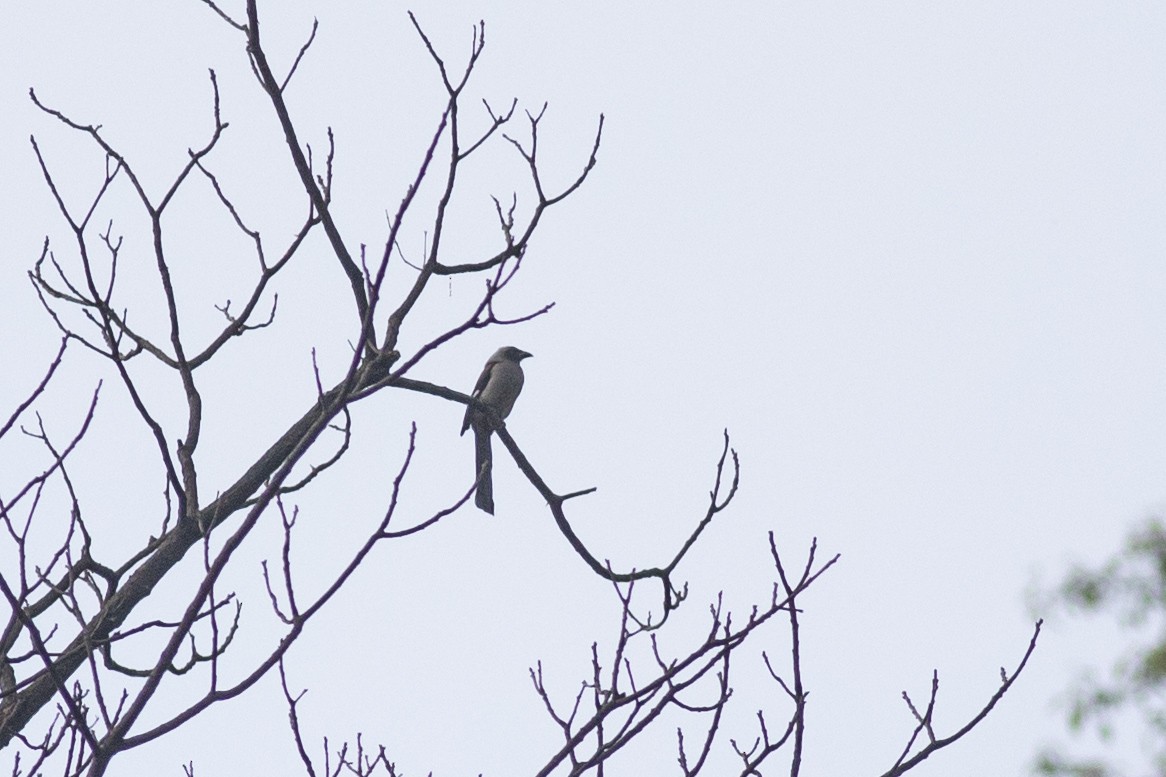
x=909, y=254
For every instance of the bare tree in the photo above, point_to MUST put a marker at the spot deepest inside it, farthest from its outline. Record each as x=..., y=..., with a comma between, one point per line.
x=70, y=697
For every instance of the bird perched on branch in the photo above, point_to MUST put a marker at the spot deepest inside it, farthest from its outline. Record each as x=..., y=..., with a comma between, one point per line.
x=497, y=388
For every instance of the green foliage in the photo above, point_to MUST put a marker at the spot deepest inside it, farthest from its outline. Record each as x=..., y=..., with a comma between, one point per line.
x=1130, y=587
x=1055, y=765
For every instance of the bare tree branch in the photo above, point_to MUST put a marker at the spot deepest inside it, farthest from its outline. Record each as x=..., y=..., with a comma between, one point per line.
x=923, y=722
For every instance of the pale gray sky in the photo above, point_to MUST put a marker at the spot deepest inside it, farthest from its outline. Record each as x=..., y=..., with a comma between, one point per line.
x=909, y=254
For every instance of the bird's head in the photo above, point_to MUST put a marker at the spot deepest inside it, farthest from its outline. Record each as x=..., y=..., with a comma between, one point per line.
x=511, y=354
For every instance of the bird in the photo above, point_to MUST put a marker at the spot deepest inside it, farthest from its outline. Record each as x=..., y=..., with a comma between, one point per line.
x=498, y=386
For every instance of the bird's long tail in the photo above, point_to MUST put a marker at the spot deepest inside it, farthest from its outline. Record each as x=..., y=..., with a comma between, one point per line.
x=484, y=497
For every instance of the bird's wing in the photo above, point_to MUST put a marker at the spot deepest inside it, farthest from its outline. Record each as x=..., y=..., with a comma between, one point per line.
x=483, y=379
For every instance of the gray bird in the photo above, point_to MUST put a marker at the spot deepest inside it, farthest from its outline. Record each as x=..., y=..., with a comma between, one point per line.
x=498, y=386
